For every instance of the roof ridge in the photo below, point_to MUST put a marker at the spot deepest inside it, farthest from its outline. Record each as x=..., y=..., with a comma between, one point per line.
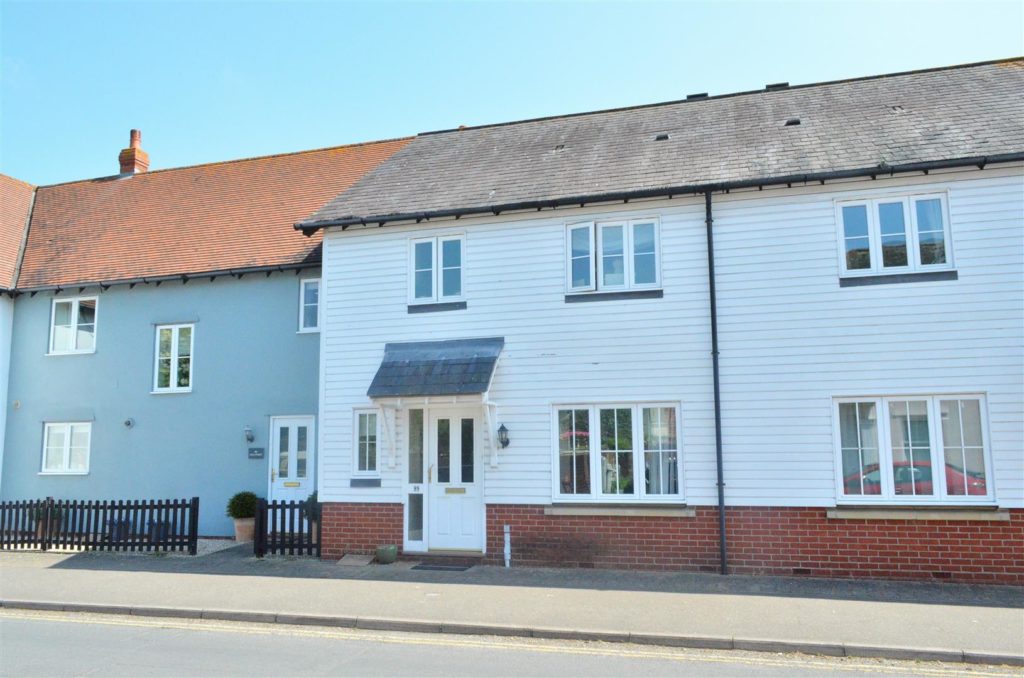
x=225, y=162
x=824, y=83
x=8, y=176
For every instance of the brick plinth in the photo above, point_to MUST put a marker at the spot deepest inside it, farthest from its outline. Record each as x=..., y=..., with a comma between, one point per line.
x=777, y=541
x=360, y=528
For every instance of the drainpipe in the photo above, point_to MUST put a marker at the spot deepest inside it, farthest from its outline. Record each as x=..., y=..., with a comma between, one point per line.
x=708, y=222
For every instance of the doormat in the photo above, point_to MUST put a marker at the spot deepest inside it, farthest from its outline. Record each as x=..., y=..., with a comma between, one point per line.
x=441, y=568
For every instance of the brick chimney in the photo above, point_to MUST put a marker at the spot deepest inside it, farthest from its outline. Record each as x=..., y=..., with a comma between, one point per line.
x=133, y=159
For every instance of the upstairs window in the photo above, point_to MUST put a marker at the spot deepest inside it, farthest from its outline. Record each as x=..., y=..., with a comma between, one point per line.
x=73, y=325
x=916, y=449
x=173, y=369
x=613, y=256
x=894, y=235
x=435, y=273
x=309, y=305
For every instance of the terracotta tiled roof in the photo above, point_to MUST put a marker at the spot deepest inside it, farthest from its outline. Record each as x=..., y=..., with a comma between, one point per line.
x=15, y=202
x=188, y=220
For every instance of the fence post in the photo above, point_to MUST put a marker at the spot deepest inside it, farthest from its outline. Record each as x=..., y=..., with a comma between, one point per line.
x=259, y=538
x=319, y=528
x=193, y=527
x=47, y=518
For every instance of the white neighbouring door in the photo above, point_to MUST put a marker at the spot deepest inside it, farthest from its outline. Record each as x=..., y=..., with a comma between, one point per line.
x=455, y=518
x=292, y=458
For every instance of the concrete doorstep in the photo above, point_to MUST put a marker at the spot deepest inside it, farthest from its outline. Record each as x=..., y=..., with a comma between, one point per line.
x=420, y=626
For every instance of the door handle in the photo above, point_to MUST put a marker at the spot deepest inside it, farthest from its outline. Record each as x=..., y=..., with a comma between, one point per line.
x=273, y=475
x=430, y=473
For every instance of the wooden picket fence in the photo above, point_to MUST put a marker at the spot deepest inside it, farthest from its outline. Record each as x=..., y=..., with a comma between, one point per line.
x=73, y=525
x=286, y=528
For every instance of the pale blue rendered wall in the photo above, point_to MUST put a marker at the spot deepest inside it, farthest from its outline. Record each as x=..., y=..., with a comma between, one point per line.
x=249, y=364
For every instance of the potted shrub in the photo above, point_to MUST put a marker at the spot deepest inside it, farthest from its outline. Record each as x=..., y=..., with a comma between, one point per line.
x=40, y=517
x=242, y=508
x=311, y=512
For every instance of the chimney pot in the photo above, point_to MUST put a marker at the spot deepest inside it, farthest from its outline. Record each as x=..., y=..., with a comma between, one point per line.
x=134, y=160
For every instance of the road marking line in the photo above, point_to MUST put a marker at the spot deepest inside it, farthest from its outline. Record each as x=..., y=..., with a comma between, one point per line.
x=519, y=643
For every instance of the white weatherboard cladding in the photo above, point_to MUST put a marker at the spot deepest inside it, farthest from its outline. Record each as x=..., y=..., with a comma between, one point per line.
x=790, y=338
x=637, y=349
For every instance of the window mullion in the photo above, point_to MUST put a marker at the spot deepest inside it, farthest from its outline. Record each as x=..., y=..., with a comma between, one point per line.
x=627, y=255
x=66, y=466
x=874, y=236
x=885, y=450
x=910, y=218
x=639, y=458
x=438, y=269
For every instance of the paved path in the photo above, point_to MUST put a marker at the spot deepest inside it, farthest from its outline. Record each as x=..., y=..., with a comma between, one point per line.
x=130, y=646
x=973, y=619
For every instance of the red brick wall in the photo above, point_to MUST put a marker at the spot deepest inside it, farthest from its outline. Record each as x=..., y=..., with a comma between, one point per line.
x=780, y=541
x=360, y=528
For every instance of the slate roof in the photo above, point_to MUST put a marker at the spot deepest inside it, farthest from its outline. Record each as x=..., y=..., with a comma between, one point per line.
x=15, y=202
x=436, y=368
x=189, y=220
x=972, y=111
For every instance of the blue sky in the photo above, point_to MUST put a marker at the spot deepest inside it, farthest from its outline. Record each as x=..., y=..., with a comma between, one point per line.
x=207, y=82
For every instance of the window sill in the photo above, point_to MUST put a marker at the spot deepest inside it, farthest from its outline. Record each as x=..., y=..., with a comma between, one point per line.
x=918, y=512
x=63, y=473
x=364, y=482
x=632, y=511
x=309, y=331
x=582, y=297
x=896, y=278
x=54, y=354
x=174, y=392
x=437, y=308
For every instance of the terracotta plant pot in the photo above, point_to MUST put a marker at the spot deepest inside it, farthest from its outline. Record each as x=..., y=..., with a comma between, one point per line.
x=245, y=528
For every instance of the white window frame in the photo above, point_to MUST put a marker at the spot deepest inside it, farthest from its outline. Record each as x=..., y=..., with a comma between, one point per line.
x=639, y=495
x=914, y=264
x=437, y=269
x=597, y=258
x=176, y=329
x=302, y=304
x=66, y=461
x=75, y=302
x=365, y=473
x=888, y=495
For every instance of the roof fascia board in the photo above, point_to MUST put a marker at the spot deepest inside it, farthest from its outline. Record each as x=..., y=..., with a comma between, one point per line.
x=182, y=277
x=308, y=228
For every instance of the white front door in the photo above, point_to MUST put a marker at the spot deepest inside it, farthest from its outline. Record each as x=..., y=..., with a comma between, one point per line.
x=292, y=458
x=455, y=514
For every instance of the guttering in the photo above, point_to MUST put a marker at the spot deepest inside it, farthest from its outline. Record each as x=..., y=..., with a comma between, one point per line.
x=722, y=550
x=181, y=277
x=310, y=227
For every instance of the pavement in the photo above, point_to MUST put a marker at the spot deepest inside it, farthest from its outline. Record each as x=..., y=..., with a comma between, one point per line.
x=883, y=619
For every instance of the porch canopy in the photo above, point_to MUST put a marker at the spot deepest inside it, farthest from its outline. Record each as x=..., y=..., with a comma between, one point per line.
x=436, y=368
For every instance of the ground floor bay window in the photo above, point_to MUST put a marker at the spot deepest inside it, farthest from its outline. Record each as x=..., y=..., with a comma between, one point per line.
x=913, y=449
x=617, y=453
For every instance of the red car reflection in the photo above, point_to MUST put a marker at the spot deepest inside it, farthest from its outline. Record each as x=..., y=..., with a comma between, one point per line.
x=906, y=477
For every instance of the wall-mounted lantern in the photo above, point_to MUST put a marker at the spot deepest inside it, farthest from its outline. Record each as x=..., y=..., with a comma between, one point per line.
x=249, y=436
x=503, y=436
